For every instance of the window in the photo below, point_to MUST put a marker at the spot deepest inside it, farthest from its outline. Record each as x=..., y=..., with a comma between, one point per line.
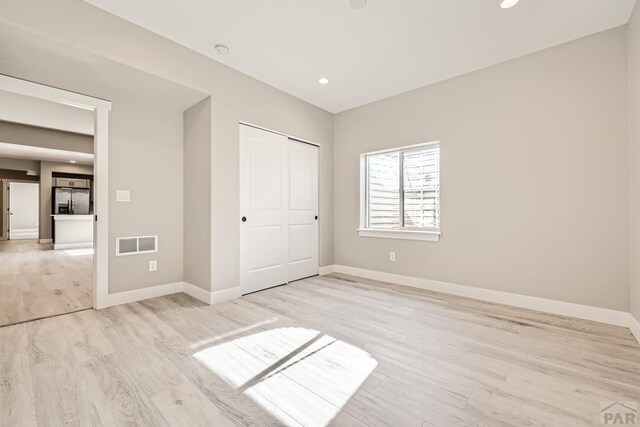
x=400, y=193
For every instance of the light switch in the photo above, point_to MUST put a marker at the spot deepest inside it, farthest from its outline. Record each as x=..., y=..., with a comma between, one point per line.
x=123, y=196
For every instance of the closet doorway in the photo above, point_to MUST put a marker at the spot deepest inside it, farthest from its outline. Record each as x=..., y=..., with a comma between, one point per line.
x=278, y=209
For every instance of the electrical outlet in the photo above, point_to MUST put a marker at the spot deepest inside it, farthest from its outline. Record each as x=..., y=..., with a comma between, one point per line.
x=392, y=256
x=153, y=265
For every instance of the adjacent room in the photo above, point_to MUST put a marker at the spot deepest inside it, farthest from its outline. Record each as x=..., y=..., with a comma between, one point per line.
x=46, y=200
x=320, y=213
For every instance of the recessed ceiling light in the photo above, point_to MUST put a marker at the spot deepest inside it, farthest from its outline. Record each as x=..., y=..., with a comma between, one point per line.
x=358, y=4
x=222, y=49
x=506, y=4
x=72, y=161
x=323, y=81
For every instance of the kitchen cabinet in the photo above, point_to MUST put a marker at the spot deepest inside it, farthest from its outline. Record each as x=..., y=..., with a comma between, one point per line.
x=71, y=183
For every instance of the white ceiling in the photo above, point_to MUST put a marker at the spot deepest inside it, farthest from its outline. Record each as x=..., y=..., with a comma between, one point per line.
x=38, y=112
x=389, y=47
x=16, y=151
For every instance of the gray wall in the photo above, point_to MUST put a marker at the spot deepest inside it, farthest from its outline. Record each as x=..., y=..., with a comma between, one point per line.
x=20, y=164
x=16, y=133
x=46, y=182
x=197, y=194
x=634, y=151
x=145, y=157
x=534, y=175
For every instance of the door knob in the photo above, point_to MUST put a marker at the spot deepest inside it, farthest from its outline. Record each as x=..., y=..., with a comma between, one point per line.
x=244, y=219
x=316, y=217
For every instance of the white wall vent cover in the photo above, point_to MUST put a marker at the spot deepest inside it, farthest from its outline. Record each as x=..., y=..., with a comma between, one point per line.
x=136, y=245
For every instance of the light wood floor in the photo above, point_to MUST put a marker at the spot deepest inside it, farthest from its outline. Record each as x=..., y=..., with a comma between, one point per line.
x=334, y=350
x=37, y=282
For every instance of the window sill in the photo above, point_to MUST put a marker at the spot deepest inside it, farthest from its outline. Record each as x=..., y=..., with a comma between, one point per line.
x=430, y=236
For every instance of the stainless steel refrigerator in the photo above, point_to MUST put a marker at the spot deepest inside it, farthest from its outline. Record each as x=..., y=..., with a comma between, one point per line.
x=71, y=201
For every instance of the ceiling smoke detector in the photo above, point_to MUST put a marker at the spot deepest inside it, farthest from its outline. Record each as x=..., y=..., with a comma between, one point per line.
x=358, y=4
x=222, y=49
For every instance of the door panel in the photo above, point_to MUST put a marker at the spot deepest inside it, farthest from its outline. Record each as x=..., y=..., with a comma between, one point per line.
x=263, y=205
x=24, y=215
x=303, y=210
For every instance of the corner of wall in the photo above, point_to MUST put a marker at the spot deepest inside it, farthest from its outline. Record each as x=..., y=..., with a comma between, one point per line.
x=633, y=61
x=197, y=194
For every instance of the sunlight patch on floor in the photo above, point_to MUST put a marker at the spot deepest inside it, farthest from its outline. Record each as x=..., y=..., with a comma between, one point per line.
x=298, y=375
x=238, y=331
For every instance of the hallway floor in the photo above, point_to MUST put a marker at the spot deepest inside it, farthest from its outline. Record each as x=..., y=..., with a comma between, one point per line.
x=37, y=281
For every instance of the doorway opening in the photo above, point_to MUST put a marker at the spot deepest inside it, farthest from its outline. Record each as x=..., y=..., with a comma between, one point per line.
x=53, y=203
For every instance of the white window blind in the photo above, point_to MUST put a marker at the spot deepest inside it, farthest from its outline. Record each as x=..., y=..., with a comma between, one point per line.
x=384, y=190
x=403, y=189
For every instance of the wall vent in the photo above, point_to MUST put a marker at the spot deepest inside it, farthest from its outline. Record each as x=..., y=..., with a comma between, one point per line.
x=136, y=245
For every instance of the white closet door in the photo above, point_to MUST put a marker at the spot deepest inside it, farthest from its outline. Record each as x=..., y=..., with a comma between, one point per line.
x=264, y=254
x=303, y=210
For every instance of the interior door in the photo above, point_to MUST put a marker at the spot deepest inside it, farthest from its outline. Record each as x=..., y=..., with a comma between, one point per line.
x=24, y=201
x=264, y=174
x=303, y=210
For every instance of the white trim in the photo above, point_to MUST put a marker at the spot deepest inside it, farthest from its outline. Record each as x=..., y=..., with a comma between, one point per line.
x=431, y=236
x=101, y=207
x=197, y=292
x=101, y=108
x=46, y=240
x=612, y=317
x=71, y=217
x=306, y=141
x=73, y=245
x=225, y=295
x=404, y=148
x=23, y=233
x=327, y=269
x=143, y=293
x=60, y=96
x=634, y=325
x=214, y=297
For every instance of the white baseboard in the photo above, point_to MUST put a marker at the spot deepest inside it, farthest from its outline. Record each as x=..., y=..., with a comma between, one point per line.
x=144, y=293
x=23, y=234
x=225, y=295
x=327, y=269
x=634, y=325
x=603, y=315
x=45, y=240
x=197, y=292
x=73, y=245
x=173, y=288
